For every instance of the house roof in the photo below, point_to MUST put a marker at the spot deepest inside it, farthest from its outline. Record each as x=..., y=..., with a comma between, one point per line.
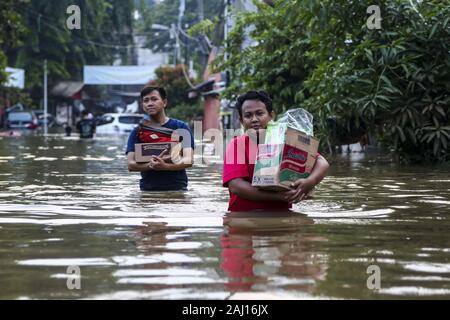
x=67, y=89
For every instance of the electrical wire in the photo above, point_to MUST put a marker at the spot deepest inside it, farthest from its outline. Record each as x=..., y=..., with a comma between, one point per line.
x=41, y=20
x=53, y=20
x=106, y=45
x=186, y=77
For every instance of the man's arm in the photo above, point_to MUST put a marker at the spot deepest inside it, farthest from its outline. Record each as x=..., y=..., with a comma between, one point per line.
x=186, y=161
x=304, y=186
x=244, y=189
x=133, y=166
x=319, y=171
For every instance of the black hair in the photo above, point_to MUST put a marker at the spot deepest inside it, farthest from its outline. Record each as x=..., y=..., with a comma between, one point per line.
x=254, y=95
x=149, y=89
x=84, y=113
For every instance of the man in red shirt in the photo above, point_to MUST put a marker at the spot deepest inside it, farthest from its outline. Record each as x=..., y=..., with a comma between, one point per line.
x=255, y=112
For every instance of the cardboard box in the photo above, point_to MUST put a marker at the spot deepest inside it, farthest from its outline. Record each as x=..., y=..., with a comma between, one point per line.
x=145, y=151
x=279, y=164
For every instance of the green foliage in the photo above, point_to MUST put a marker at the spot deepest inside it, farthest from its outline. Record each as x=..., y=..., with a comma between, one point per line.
x=166, y=13
x=145, y=13
x=191, y=47
x=14, y=96
x=173, y=80
x=393, y=83
x=11, y=28
x=205, y=26
x=186, y=112
x=179, y=105
x=3, y=74
x=104, y=36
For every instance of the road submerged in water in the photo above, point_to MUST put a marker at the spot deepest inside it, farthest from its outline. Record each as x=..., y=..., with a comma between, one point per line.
x=70, y=206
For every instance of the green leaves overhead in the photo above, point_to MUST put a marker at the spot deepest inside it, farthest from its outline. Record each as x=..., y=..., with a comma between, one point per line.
x=11, y=28
x=391, y=83
x=106, y=31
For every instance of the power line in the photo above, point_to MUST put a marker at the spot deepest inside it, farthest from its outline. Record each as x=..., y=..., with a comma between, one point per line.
x=186, y=77
x=53, y=20
x=57, y=28
x=49, y=21
x=163, y=34
x=106, y=45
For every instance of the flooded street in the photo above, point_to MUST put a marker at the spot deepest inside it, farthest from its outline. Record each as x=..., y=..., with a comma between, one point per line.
x=65, y=202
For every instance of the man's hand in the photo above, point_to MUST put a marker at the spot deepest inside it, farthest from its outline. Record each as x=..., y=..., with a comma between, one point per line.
x=283, y=196
x=300, y=190
x=158, y=163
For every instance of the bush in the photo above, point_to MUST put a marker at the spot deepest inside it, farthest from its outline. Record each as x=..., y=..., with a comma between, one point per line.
x=175, y=83
x=186, y=112
x=393, y=83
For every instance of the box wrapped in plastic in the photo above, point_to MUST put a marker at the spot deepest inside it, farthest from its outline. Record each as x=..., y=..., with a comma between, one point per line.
x=289, y=151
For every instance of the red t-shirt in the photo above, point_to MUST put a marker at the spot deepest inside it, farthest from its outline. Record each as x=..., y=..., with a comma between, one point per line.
x=239, y=162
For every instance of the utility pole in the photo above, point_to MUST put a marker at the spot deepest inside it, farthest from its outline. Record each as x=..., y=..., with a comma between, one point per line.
x=45, y=99
x=186, y=49
x=227, y=26
x=181, y=10
x=201, y=11
x=174, y=36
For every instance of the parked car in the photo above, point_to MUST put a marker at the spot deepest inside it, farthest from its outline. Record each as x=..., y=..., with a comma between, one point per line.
x=49, y=118
x=22, y=120
x=118, y=123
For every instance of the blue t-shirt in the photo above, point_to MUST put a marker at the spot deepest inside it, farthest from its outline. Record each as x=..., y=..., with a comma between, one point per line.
x=163, y=180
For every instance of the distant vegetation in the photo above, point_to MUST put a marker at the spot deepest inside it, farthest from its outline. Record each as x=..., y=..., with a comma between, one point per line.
x=391, y=85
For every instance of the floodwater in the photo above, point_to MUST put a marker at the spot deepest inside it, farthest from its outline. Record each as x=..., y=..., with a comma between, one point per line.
x=68, y=205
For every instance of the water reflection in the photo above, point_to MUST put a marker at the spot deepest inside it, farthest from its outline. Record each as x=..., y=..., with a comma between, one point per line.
x=260, y=250
x=65, y=201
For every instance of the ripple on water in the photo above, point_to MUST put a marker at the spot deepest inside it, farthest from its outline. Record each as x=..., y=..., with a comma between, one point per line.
x=89, y=158
x=414, y=291
x=172, y=280
x=45, y=159
x=171, y=293
x=435, y=201
x=62, y=262
x=350, y=214
x=82, y=212
x=159, y=272
x=428, y=267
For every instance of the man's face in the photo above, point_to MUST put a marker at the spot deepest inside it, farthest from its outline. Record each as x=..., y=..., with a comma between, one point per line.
x=255, y=115
x=153, y=104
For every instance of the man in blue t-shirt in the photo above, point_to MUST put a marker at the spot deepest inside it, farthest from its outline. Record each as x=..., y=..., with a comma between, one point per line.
x=160, y=174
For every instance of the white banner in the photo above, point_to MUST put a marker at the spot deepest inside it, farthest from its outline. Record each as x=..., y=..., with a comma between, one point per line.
x=120, y=75
x=16, y=78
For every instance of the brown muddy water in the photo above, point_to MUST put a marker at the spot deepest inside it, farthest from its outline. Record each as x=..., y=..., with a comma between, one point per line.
x=69, y=203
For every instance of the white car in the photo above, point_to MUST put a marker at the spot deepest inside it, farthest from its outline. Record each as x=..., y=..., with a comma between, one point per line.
x=118, y=123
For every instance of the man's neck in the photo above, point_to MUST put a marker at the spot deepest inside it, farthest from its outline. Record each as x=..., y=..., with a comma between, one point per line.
x=159, y=119
x=257, y=136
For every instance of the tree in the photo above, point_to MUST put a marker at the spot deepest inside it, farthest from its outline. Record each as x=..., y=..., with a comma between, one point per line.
x=105, y=34
x=179, y=105
x=11, y=28
x=320, y=55
x=166, y=13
